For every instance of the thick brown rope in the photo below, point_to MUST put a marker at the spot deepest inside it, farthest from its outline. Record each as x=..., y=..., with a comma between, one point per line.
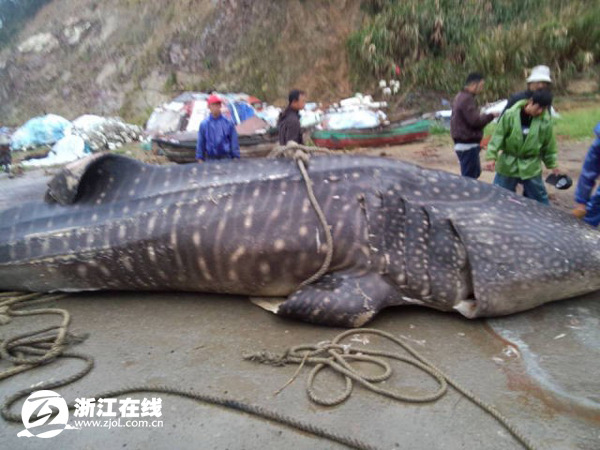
x=31, y=350
x=301, y=154
x=336, y=356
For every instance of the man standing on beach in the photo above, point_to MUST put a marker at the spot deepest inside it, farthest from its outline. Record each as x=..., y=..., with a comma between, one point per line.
x=217, y=138
x=522, y=141
x=289, y=120
x=467, y=124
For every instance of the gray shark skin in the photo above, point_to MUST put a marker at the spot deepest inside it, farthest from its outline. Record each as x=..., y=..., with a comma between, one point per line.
x=402, y=235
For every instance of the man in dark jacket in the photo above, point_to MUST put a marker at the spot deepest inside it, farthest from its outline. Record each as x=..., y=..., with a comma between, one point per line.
x=289, y=119
x=467, y=124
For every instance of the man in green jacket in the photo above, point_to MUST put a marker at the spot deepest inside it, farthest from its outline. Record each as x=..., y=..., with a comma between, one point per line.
x=523, y=139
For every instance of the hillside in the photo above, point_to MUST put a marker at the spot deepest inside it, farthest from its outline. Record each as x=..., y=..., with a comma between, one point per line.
x=126, y=56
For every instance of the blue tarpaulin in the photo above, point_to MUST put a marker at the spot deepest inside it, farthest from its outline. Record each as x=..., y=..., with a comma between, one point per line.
x=42, y=130
x=240, y=111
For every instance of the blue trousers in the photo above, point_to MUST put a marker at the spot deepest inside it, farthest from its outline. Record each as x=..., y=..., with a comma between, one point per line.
x=533, y=188
x=470, y=165
x=593, y=210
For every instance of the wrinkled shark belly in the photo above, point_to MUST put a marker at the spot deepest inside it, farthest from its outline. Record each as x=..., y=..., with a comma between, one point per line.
x=254, y=238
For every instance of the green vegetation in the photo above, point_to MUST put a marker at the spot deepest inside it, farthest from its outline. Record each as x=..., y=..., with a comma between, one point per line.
x=437, y=129
x=577, y=123
x=435, y=43
x=171, y=83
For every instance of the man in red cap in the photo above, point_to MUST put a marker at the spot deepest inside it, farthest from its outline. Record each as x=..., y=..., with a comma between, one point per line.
x=217, y=138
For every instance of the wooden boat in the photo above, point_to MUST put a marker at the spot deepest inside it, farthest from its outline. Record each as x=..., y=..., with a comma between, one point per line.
x=392, y=134
x=181, y=147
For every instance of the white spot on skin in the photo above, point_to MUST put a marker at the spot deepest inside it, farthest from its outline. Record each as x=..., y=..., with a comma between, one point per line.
x=220, y=228
x=264, y=268
x=94, y=217
x=151, y=224
x=204, y=268
x=303, y=230
x=239, y=252
x=279, y=244
x=201, y=211
x=305, y=206
x=82, y=271
x=126, y=261
x=151, y=254
x=233, y=276
x=162, y=274
x=122, y=231
x=248, y=218
x=248, y=222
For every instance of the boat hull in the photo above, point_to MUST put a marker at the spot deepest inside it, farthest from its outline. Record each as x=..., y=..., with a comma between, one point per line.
x=373, y=137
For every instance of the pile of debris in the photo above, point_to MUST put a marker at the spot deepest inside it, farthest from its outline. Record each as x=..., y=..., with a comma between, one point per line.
x=105, y=133
x=185, y=113
x=52, y=139
x=357, y=112
x=39, y=131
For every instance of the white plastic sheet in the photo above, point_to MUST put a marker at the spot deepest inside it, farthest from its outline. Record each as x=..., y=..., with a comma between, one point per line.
x=353, y=119
x=67, y=149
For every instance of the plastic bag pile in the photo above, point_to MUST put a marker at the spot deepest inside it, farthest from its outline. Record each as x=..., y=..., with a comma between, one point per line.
x=359, y=111
x=69, y=141
x=105, y=133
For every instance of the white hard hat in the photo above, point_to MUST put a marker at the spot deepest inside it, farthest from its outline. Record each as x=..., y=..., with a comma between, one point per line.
x=540, y=73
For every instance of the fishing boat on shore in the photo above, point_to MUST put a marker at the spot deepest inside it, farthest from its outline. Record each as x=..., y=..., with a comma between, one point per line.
x=180, y=147
x=392, y=134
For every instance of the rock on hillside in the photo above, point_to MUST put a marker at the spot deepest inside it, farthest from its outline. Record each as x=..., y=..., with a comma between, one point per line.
x=126, y=56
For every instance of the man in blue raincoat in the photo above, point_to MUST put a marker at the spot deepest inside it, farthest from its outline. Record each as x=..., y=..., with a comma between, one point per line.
x=588, y=204
x=217, y=138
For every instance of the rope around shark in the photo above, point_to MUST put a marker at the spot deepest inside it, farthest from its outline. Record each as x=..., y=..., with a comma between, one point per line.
x=34, y=349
